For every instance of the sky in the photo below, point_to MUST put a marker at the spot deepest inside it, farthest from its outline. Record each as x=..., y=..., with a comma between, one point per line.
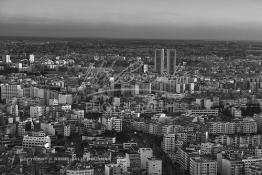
x=156, y=19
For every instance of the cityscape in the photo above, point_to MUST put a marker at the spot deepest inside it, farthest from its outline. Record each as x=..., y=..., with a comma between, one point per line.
x=106, y=105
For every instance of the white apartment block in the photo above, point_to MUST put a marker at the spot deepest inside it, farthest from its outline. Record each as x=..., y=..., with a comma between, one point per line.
x=122, y=162
x=80, y=113
x=113, y=169
x=238, y=166
x=13, y=110
x=48, y=128
x=206, y=148
x=133, y=161
x=167, y=129
x=31, y=58
x=254, y=140
x=7, y=59
x=53, y=102
x=65, y=99
x=8, y=91
x=67, y=130
x=202, y=166
x=35, y=111
x=129, y=145
x=114, y=124
x=66, y=108
x=169, y=142
x=140, y=126
x=183, y=157
x=181, y=136
x=21, y=129
x=208, y=104
x=154, y=128
x=258, y=120
x=34, y=141
x=243, y=126
x=237, y=113
x=154, y=166
x=145, y=154
x=80, y=172
x=203, y=112
x=38, y=134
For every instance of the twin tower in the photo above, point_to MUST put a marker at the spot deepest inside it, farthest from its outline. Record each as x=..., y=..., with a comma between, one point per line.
x=165, y=64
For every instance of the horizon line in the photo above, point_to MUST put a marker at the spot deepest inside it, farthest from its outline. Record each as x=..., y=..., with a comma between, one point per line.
x=122, y=38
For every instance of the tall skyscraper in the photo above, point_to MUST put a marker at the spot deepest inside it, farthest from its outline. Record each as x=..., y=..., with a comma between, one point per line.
x=159, y=60
x=171, y=61
x=163, y=63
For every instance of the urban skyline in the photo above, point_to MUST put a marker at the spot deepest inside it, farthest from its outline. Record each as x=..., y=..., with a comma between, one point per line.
x=142, y=87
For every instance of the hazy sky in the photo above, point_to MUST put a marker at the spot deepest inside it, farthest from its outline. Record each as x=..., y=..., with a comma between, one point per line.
x=167, y=19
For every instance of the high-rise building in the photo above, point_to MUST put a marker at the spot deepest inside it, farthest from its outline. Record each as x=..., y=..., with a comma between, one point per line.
x=163, y=63
x=171, y=61
x=159, y=60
